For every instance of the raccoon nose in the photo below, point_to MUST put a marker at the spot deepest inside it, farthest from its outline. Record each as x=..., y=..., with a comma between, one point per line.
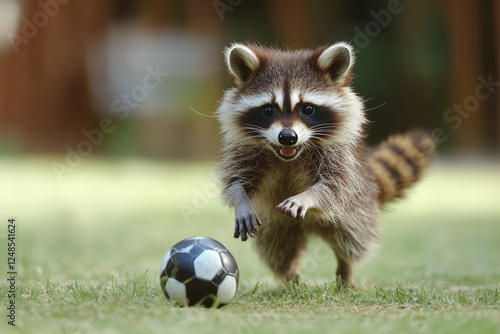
x=287, y=137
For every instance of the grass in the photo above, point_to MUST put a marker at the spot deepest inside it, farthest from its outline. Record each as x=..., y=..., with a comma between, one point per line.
x=89, y=250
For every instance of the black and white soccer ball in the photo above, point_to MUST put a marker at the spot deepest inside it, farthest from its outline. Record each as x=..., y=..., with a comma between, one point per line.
x=199, y=271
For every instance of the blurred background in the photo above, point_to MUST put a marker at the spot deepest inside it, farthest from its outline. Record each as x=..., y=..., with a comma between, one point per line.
x=122, y=78
x=108, y=143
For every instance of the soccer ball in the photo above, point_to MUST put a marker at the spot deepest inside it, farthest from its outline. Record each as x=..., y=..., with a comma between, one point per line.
x=199, y=271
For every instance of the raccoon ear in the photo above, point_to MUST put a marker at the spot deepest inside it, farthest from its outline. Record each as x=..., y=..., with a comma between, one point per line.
x=241, y=62
x=337, y=61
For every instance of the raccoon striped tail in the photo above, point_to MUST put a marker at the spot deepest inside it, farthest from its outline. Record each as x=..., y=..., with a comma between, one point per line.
x=399, y=162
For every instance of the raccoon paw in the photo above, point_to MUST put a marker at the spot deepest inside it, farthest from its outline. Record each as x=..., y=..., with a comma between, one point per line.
x=293, y=208
x=247, y=224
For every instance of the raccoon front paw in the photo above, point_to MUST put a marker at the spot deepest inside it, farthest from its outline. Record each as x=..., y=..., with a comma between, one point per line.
x=293, y=208
x=247, y=224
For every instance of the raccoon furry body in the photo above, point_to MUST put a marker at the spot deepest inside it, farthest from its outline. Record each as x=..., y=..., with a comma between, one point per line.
x=295, y=163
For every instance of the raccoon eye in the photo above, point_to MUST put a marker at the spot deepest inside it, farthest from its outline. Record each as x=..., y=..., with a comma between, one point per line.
x=268, y=111
x=308, y=110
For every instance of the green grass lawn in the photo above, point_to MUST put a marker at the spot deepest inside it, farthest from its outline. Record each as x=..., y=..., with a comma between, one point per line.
x=89, y=250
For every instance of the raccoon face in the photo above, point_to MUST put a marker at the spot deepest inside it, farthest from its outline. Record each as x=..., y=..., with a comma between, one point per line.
x=290, y=101
x=287, y=132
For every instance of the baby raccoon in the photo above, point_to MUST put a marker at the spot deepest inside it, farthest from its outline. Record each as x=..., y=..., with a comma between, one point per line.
x=295, y=162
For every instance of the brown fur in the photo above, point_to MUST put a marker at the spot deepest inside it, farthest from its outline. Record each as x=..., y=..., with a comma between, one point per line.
x=335, y=186
x=399, y=162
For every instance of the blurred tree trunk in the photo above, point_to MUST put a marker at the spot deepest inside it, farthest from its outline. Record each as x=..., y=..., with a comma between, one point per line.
x=462, y=19
x=496, y=19
x=45, y=99
x=292, y=21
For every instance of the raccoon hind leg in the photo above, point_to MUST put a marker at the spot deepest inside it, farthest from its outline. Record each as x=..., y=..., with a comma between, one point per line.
x=350, y=245
x=281, y=246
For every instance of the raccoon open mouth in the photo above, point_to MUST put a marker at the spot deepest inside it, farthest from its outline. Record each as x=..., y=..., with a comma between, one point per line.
x=287, y=152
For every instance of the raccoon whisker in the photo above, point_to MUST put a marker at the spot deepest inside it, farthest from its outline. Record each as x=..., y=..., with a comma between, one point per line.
x=321, y=139
x=202, y=114
x=267, y=146
x=313, y=144
x=322, y=136
x=323, y=132
x=316, y=147
x=324, y=126
x=380, y=105
x=256, y=136
x=243, y=147
x=256, y=127
x=253, y=129
x=253, y=133
x=252, y=150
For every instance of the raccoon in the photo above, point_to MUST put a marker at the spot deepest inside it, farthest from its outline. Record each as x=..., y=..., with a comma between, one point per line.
x=295, y=163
